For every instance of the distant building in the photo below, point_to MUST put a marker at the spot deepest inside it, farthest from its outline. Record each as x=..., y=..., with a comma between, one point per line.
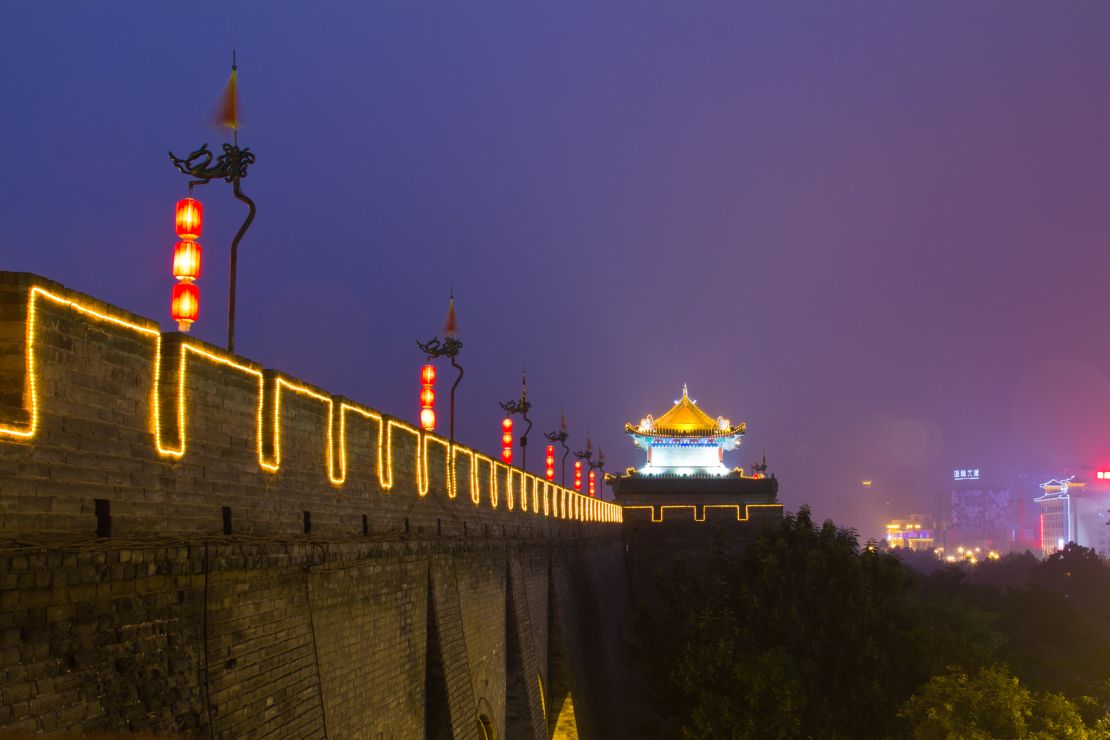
x=1075, y=509
x=988, y=514
x=911, y=533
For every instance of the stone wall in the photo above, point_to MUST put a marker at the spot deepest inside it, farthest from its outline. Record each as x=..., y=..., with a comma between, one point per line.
x=192, y=544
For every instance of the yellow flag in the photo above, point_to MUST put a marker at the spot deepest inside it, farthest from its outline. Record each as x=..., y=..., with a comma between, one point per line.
x=227, y=112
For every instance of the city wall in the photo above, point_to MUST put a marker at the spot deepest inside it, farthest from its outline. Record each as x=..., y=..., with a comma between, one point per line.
x=193, y=544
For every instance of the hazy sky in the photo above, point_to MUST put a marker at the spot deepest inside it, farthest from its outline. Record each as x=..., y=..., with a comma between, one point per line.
x=877, y=232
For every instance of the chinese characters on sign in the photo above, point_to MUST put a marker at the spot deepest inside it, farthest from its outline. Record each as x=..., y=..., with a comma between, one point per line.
x=965, y=474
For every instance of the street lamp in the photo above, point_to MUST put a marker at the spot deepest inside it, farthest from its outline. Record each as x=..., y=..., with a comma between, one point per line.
x=448, y=347
x=598, y=464
x=587, y=455
x=231, y=167
x=561, y=437
x=522, y=407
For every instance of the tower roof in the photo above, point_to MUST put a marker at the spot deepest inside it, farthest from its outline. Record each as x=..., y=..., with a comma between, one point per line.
x=685, y=419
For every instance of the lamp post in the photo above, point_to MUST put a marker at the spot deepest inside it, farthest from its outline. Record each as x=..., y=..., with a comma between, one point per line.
x=231, y=166
x=448, y=347
x=587, y=455
x=561, y=437
x=598, y=464
x=522, y=407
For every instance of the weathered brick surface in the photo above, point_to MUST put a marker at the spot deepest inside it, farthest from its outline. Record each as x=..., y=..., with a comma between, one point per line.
x=170, y=626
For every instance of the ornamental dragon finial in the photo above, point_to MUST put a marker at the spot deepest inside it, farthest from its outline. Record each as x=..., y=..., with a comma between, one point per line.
x=231, y=165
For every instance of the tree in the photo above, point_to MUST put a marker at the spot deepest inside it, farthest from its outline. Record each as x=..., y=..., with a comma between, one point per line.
x=991, y=704
x=803, y=634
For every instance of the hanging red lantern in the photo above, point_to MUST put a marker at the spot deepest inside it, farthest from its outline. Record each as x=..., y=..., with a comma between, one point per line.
x=185, y=299
x=578, y=475
x=507, y=441
x=427, y=397
x=186, y=260
x=549, y=472
x=593, y=483
x=189, y=218
x=185, y=304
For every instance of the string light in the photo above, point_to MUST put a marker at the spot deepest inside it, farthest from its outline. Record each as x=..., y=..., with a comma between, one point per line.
x=658, y=518
x=556, y=501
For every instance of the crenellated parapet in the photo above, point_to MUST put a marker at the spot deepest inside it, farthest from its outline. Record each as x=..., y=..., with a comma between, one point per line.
x=97, y=404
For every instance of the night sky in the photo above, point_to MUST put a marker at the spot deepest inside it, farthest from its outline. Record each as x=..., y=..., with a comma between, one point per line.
x=877, y=232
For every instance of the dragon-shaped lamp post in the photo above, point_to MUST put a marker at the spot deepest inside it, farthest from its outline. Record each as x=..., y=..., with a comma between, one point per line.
x=231, y=166
x=588, y=453
x=561, y=437
x=449, y=347
x=598, y=464
x=522, y=407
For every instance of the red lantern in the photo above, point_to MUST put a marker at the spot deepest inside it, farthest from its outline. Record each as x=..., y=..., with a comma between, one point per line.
x=549, y=473
x=189, y=218
x=507, y=441
x=593, y=483
x=185, y=304
x=578, y=475
x=186, y=260
x=427, y=397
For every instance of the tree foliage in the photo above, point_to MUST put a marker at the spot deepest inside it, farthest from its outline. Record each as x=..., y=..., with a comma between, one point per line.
x=805, y=634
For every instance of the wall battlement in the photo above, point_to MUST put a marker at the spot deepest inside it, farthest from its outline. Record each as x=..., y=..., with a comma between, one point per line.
x=98, y=404
x=699, y=513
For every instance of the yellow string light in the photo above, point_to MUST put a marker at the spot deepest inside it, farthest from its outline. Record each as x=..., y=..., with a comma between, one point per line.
x=565, y=504
x=659, y=517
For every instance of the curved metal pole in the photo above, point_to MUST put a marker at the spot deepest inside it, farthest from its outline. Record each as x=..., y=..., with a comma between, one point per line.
x=565, y=453
x=524, y=443
x=455, y=385
x=239, y=195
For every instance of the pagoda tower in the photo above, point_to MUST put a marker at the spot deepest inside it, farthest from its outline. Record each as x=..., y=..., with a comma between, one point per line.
x=685, y=468
x=685, y=440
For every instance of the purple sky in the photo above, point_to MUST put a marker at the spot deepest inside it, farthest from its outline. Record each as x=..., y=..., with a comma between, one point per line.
x=877, y=232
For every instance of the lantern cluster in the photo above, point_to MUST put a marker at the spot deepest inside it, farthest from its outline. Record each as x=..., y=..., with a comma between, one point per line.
x=428, y=397
x=549, y=471
x=507, y=441
x=578, y=475
x=593, y=483
x=185, y=301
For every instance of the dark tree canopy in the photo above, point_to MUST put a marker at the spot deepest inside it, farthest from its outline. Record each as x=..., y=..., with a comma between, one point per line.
x=805, y=634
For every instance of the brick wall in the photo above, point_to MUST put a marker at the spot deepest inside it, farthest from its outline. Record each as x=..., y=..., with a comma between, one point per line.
x=170, y=625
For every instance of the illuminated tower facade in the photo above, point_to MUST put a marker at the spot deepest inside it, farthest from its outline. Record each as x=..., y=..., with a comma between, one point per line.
x=685, y=440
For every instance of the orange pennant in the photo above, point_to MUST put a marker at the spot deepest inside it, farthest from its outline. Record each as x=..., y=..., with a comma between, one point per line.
x=227, y=111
